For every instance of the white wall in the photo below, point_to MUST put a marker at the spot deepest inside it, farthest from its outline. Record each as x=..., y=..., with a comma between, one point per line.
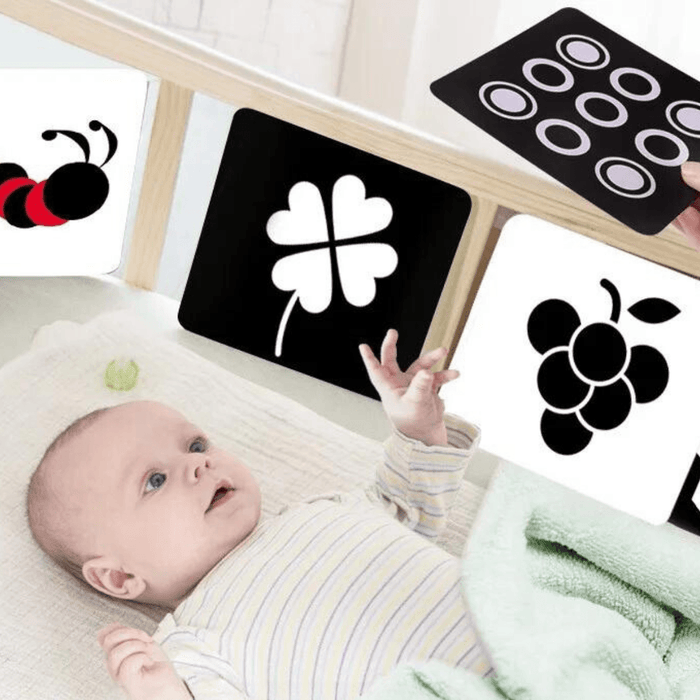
x=377, y=53
x=300, y=40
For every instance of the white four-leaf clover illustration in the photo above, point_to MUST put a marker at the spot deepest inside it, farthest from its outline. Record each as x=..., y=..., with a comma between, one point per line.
x=308, y=274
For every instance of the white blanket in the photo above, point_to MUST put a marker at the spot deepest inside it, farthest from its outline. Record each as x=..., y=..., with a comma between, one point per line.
x=47, y=640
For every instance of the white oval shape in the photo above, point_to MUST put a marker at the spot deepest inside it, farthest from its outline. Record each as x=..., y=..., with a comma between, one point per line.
x=583, y=147
x=654, y=87
x=487, y=91
x=625, y=177
x=534, y=62
x=508, y=100
x=580, y=52
x=586, y=96
x=686, y=118
x=683, y=152
x=601, y=171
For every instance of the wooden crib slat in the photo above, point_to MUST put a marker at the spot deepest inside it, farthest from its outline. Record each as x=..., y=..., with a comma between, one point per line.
x=462, y=283
x=155, y=198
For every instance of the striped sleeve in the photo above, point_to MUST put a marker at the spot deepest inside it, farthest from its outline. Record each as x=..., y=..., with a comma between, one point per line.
x=418, y=483
x=208, y=676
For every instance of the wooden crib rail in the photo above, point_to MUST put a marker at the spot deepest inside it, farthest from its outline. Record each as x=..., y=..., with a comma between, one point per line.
x=185, y=67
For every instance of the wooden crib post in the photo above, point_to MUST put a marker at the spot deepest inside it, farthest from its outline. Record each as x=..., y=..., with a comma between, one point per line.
x=156, y=196
x=463, y=280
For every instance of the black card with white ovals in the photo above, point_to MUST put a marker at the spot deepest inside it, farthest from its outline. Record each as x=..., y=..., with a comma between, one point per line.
x=311, y=247
x=593, y=110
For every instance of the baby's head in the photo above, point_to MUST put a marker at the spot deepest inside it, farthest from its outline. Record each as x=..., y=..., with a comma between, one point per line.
x=137, y=502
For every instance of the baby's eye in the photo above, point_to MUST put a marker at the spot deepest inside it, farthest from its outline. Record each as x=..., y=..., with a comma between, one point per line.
x=198, y=445
x=155, y=481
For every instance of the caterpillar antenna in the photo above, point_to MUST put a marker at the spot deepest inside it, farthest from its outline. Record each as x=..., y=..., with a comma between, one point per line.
x=50, y=135
x=111, y=139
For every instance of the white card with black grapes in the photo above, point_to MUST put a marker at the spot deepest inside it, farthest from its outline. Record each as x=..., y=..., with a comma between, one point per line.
x=68, y=145
x=581, y=362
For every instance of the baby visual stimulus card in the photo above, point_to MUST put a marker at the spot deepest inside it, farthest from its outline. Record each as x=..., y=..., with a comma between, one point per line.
x=686, y=511
x=68, y=145
x=311, y=247
x=593, y=110
x=580, y=362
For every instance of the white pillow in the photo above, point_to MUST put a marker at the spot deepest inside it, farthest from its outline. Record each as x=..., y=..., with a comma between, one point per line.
x=48, y=646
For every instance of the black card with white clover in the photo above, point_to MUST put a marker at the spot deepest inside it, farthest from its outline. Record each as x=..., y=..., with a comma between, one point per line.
x=580, y=362
x=311, y=247
x=593, y=110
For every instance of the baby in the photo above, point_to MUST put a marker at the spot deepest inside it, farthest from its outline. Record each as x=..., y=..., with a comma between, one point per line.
x=316, y=602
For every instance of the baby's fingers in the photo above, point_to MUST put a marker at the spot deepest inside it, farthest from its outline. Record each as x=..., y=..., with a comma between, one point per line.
x=102, y=634
x=444, y=376
x=421, y=386
x=388, y=350
x=427, y=361
x=371, y=362
x=115, y=633
x=128, y=658
x=375, y=370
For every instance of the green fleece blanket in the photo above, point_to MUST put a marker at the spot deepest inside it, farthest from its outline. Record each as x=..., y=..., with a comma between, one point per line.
x=574, y=601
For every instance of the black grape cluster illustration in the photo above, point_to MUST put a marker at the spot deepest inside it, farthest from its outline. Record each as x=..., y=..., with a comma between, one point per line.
x=589, y=377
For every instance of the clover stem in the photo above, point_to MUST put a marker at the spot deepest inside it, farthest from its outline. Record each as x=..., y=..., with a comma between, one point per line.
x=283, y=323
x=611, y=289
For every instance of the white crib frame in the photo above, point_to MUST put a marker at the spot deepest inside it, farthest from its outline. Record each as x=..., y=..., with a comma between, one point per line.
x=185, y=67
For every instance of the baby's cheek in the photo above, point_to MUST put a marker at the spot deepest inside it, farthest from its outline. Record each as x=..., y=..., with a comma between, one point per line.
x=169, y=529
x=248, y=518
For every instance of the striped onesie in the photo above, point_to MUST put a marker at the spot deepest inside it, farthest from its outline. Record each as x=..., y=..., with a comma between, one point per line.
x=331, y=594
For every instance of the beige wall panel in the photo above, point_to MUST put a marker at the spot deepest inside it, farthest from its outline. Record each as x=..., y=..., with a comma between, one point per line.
x=380, y=35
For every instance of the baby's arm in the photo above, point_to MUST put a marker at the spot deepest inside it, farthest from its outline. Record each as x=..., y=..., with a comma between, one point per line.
x=418, y=483
x=142, y=668
x=425, y=458
x=139, y=666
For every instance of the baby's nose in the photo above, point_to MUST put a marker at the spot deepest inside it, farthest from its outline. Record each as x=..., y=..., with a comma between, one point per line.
x=198, y=464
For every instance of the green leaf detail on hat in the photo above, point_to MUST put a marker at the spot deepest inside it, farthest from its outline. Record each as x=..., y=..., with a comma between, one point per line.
x=121, y=376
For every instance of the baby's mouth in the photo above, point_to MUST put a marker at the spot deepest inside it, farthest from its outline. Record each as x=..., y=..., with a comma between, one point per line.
x=220, y=495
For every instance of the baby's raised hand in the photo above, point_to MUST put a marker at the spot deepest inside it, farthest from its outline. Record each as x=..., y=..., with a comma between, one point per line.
x=139, y=666
x=410, y=398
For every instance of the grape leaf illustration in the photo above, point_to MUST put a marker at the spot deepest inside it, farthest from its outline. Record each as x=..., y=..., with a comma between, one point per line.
x=654, y=310
x=308, y=274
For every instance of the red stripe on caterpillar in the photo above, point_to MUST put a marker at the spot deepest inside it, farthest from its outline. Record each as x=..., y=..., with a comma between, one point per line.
x=73, y=191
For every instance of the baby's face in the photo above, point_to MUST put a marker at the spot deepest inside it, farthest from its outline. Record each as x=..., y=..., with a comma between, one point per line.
x=157, y=497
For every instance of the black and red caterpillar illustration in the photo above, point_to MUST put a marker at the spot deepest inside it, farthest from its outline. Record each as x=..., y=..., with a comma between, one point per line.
x=73, y=191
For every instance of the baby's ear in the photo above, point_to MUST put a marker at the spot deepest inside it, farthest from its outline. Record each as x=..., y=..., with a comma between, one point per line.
x=108, y=577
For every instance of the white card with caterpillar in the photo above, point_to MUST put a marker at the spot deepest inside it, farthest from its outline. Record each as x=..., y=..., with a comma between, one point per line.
x=581, y=362
x=68, y=146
